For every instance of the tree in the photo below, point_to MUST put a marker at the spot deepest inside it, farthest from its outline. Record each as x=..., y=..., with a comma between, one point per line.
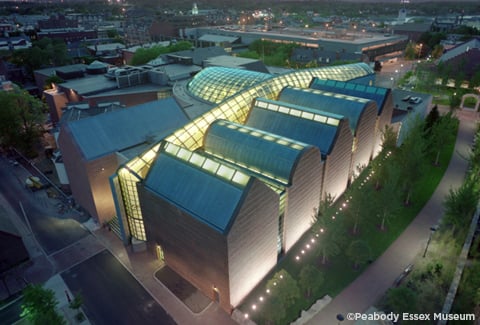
x=39, y=306
x=75, y=304
x=455, y=100
x=359, y=252
x=144, y=55
x=310, y=279
x=20, y=117
x=275, y=311
x=45, y=52
x=410, y=158
x=442, y=132
x=460, y=204
x=432, y=118
x=331, y=239
x=52, y=80
x=283, y=286
x=410, y=53
x=401, y=300
x=437, y=51
x=379, y=164
x=387, y=198
x=360, y=198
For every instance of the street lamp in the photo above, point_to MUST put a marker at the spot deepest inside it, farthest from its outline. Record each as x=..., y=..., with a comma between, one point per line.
x=340, y=318
x=432, y=230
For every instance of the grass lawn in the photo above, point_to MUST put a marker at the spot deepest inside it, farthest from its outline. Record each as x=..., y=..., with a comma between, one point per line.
x=339, y=271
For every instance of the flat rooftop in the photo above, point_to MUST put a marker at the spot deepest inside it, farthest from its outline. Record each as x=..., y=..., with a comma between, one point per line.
x=311, y=34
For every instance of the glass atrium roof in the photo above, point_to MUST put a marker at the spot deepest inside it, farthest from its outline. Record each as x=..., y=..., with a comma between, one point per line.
x=214, y=84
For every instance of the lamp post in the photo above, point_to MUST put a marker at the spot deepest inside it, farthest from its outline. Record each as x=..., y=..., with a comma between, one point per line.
x=432, y=230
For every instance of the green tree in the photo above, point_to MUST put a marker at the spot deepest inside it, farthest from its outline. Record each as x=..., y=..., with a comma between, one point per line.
x=45, y=52
x=379, y=164
x=402, y=299
x=410, y=158
x=442, y=132
x=283, y=286
x=20, y=119
x=359, y=252
x=275, y=311
x=410, y=52
x=437, y=51
x=331, y=240
x=52, y=80
x=144, y=55
x=332, y=236
x=475, y=79
x=360, y=198
x=39, y=306
x=460, y=204
x=455, y=100
x=432, y=117
x=388, y=193
x=310, y=279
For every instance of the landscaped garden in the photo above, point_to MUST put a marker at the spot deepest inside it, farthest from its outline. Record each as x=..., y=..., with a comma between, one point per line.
x=355, y=230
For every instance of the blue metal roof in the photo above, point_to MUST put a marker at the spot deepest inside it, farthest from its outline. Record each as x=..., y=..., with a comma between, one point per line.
x=378, y=94
x=266, y=153
x=103, y=134
x=321, y=135
x=210, y=199
x=349, y=107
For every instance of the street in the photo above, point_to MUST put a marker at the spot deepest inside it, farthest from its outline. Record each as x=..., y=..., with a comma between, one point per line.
x=58, y=243
x=112, y=295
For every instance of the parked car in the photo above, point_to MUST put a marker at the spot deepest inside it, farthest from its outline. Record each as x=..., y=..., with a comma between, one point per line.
x=415, y=100
x=406, y=98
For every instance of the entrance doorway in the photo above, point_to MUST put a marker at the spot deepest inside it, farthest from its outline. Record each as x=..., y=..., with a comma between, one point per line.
x=159, y=252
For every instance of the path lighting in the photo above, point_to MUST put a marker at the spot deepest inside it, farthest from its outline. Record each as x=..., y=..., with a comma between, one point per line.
x=432, y=230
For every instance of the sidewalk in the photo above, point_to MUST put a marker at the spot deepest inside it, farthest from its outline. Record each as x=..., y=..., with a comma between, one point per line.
x=143, y=267
x=373, y=282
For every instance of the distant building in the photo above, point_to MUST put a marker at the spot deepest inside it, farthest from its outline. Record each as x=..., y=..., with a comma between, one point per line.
x=464, y=57
x=68, y=35
x=338, y=41
x=57, y=22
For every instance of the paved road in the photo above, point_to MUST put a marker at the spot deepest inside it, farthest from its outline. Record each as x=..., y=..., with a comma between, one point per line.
x=112, y=295
x=52, y=230
x=372, y=284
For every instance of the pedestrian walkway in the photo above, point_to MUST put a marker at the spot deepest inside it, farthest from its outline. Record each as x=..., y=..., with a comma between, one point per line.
x=143, y=266
x=368, y=288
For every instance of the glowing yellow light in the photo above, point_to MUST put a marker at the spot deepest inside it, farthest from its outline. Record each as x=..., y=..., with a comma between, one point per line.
x=307, y=246
x=267, y=291
x=261, y=298
x=297, y=257
x=312, y=240
x=246, y=315
x=281, y=276
x=274, y=283
x=322, y=230
x=254, y=307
